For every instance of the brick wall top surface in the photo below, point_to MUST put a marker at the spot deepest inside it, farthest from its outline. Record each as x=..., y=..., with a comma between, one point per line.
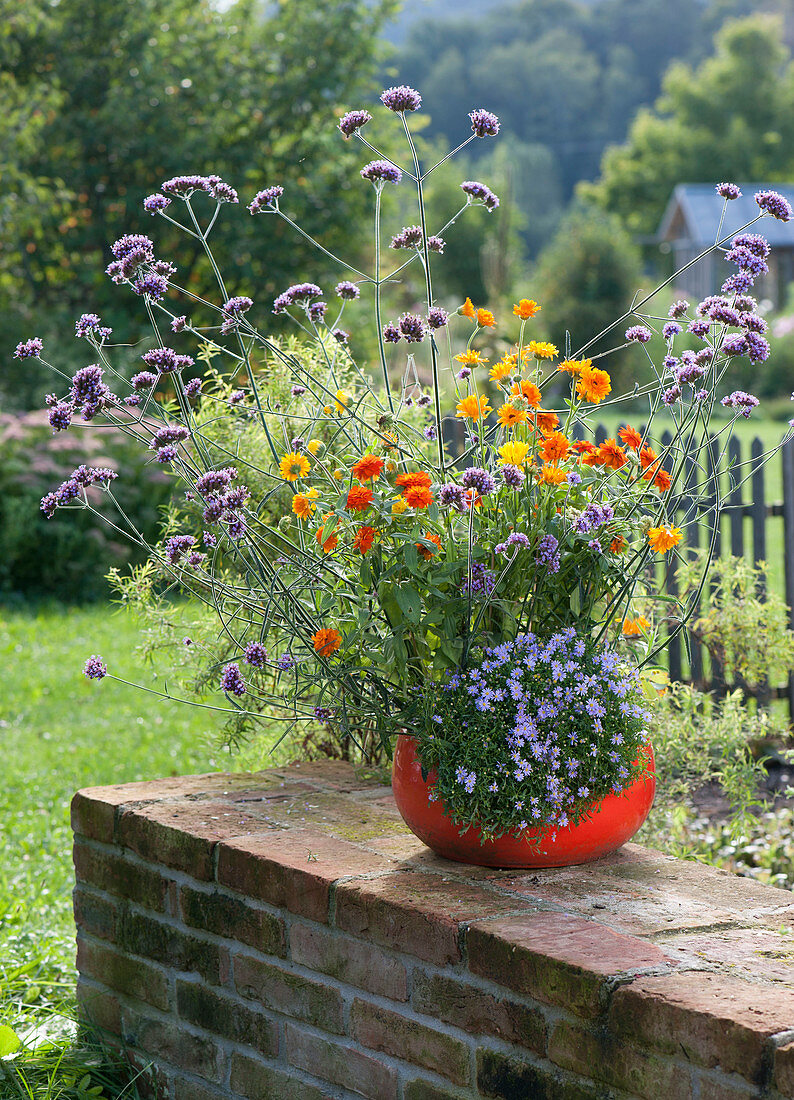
x=677, y=950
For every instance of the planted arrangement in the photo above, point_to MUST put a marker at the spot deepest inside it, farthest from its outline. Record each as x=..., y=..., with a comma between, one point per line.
x=498, y=603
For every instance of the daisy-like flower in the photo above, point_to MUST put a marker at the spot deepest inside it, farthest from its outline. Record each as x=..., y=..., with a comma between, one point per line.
x=342, y=400
x=326, y=544
x=509, y=416
x=618, y=545
x=293, y=466
x=326, y=641
x=529, y=391
x=631, y=437
x=303, y=504
x=368, y=467
x=473, y=407
x=485, y=319
x=554, y=448
x=365, y=536
x=412, y=479
x=664, y=538
x=574, y=366
x=544, y=421
x=358, y=499
x=502, y=369
x=399, y=507
x=552, y=475
x=468, y=310
x=418, y=496
x=471, y=358
x=541, y=349
x=526, y=308
x=633, y=627
x=513, y=454
x=611, y=454
x=593, y=384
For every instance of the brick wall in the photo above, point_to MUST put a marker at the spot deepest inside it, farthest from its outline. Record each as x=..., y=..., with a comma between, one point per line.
x=283, y=936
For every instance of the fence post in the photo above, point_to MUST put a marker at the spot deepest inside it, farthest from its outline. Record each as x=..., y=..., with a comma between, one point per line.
x=787, y=458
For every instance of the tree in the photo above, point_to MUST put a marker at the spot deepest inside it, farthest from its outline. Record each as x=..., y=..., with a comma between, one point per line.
x=731, y=118
x=165, y=87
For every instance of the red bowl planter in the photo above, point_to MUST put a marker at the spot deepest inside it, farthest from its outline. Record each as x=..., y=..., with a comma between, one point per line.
x=616, y=820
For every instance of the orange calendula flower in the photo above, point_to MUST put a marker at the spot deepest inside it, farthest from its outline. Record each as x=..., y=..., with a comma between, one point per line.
x=418, y=496
x=293, y=466
x=648, y=456
x=542, y=350
x=501, y=370
x=411, y=480
x=583, y=446
x=508, y=416
x=467, y=309
x=631, y=437
x=618, y=545
x=358, y=499
x=664, y=538
x=544, y=421
x=473, y=407
x=329, y=544
x=425, y=551
x=611, y=454
x=368, y=467
x=552, y=475
x=327, y=641
x=364, y=539
x=485, y=319
x=593, y=384
x=469, y=498
x=526, y=308
x=471, y=358
x=554, y=447
x=574, y=366
x=303, y=504
x=632, y=627
x=528, y=390
x=662, y=481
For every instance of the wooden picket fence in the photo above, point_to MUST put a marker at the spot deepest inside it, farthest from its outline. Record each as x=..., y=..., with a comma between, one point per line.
x=687, y=659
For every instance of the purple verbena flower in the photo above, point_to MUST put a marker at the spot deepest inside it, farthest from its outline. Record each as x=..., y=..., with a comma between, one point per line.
x=478, y=479
x=478, y=192
x=483, y=123
x=381, y=171
x=771, y=202
x=412, y=328
x=410, y=236
x=391, y=334
x=678, y=309
x=155, y=286
x=699, y=328
x=744, y=402
x=178, y=323
x=316, y=311
x=238, y=305
x=548, y=554
x=60, y=416
x=437, y=317
x=401, y=98
x=353, y=121
x=266, y=200
x=232, y=682
x=256, y=655
x=436, y=244
x=638, y=334
x=29, y=349
x=347, y=291
x=728, y=190
x=670, y=329
x=301, y=293
x=155, y=204
x=95, y=668
x=340, y=336
x=452, y=496
x=193, y=387
x=177, y=546
x=738, y=283
x=184, y=186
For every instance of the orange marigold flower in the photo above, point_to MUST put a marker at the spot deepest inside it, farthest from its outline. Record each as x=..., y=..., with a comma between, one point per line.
x=593, y=384
x=554, y=447
x=647, y=457
x=583, y=446
x=611, y=454
x=542, y=350
x=574, y=366
x=368, y=466
x=528, y=390
x=485, y=319
x=467, y=309
x=631, y=437
x=418, y=496
x=618, y=545
x=526, y=308
x=552, y=475
x=662, y=481
x=364, y=539
x=411, y=480
x=358, y=499
x=327, y=641
x=331, y=542
x=425, y=551
x=632, y=627
x=664, y=538
x=473, y=407
x=471, y=358
x=508, y=416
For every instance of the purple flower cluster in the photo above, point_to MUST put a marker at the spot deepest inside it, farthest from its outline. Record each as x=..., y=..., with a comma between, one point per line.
x=548, y=553
x=232, y=682
x=380, y=172
x=347, y=291
x=483, y=123
x=350, y=123
x=90, y=325
x=743, y=402
x=166, y=360
x=95, y=668
x=452, y=496
x=515, y=538
x=478, y=479
x=29, y=349
x=266, y=200
x=638, y=334
x=411, y=328
x=156, y=204
x=182, y=187
x=300, y=293
x=222, y=501
x=255, y=655
x=595, y=515
x=401, y=98
x=771, y=202
x=678, y=309
x=479, y=582
x=477, y=192
x=410, y=236
x=81, y=478
x=728, y=190
x=437, y=317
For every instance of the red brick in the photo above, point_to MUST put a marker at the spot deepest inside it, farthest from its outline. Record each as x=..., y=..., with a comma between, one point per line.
x=336, y=775
x=95, y=915
x=294, y=869
x=165, y=1040
x=111, y=872
x=149, y=938
x=349, y=961
x=477, y=1011
x=285, y=991
x=422, y=1089
x=152, y=1081
x=255, y=1080
x=177, y=834
x=598, y=1055
x=185, y=1089
x=340, y=1065
x=234, y=919
x=784, y=1069
x=405, y=1037
x=219, y=1014
x=418, y=913
x=556, y=958
x=711, y=1019
x=132, y=977
x=98, y=1008
x=505, y=1078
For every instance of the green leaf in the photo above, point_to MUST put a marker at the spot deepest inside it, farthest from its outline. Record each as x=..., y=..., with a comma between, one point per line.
x=411, y=555
x=9, y=1041
x=410, y=602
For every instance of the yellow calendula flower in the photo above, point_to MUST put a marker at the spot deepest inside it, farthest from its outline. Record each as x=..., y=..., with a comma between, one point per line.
x=339, y=475
x=314, y=446
x=509, y=416
x=342, y=400
x=513, y=454
x=542, y=350
x=501, y=370
x=471, y=359
x=328, y=410
x=303, y=503
x=473, y=407
x=293, y=466
x=399, y=507
x=467, y=309
x=391, y=467
x=526, y=308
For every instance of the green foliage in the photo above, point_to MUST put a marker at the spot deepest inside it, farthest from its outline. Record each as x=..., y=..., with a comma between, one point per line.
x=197, y=89
x=730, y=118
x=746, y=634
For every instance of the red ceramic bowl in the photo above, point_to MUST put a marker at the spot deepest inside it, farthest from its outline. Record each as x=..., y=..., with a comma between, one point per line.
x=616, y=820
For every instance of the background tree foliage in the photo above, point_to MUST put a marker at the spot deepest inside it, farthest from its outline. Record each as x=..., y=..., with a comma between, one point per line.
x=102, y=100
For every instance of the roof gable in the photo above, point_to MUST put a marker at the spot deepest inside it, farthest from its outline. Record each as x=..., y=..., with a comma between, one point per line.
x=700, y=208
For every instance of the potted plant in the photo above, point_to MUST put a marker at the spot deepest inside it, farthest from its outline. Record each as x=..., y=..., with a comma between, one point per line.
x=491, y=610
